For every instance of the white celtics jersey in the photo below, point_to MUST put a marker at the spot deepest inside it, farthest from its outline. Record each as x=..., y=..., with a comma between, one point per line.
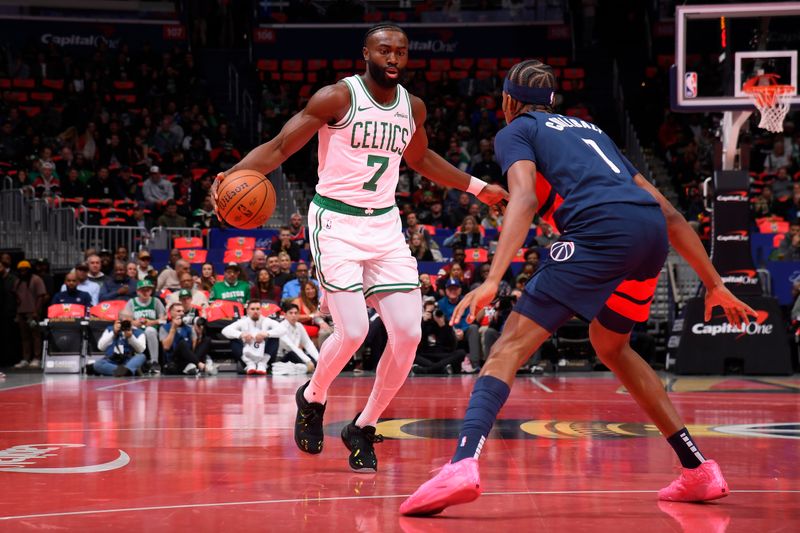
x=359, y=156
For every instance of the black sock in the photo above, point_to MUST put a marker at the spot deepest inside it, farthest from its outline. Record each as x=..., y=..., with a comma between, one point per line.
x=684, y=446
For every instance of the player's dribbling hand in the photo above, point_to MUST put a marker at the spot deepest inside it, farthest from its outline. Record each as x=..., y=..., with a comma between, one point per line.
x=492, y=194
x=735, y=310
x=477, y=299
x=214, y=186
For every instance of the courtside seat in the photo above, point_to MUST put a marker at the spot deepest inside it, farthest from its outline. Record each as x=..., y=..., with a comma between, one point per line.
x=65, y=339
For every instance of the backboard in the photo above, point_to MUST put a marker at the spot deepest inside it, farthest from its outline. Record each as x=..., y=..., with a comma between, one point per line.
x=719, y=47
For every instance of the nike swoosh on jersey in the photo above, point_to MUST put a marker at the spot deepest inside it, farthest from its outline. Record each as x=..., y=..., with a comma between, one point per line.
x=364, y=108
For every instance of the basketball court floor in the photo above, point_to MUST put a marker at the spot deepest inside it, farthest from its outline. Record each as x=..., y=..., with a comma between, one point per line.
x=570, y=453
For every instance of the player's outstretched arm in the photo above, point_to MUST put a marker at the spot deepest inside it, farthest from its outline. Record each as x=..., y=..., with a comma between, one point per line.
x=522, y=205
x=687, y=243
x=437, y=169
x=326, y=106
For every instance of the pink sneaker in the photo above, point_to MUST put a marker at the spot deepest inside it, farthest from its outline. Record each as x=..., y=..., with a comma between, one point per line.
x=699, y=484
x=455, y=483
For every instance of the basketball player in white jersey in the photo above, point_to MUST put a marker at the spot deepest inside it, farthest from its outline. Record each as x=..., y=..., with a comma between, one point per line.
x=367, y=123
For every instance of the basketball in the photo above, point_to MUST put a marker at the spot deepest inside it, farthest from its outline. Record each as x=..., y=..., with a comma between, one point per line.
x=246, y=199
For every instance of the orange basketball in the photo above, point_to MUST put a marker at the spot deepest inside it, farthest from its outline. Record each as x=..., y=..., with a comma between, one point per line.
x=245, y=199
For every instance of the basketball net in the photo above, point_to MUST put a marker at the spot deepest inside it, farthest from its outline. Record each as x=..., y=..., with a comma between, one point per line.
x=771, y=100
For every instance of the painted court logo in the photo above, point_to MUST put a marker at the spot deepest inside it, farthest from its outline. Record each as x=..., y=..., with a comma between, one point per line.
x=562, y=250
x=60, y=459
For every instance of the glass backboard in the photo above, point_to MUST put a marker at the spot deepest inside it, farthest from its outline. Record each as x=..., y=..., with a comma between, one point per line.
x=719, y=47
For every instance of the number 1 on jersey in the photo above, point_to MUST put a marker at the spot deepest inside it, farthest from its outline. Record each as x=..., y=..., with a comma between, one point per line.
x=597, y=149
x=372, y=160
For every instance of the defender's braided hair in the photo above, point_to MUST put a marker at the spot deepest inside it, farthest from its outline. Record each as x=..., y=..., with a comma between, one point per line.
x=533, y=73
x=382, y=27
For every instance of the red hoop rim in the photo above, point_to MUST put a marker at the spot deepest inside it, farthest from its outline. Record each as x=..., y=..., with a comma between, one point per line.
x=774, y=89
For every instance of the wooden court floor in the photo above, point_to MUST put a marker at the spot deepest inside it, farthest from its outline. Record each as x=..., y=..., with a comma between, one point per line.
x=570, y=453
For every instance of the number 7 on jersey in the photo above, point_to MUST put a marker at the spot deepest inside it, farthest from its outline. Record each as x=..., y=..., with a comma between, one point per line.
x=372, y=160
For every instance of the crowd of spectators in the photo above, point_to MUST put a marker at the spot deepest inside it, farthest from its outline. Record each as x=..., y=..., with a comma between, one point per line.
x=145, y=159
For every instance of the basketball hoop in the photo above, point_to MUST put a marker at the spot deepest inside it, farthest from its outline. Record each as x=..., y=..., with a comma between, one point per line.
x=771, y=100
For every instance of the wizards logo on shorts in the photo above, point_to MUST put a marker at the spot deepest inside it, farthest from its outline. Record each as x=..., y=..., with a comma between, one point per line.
x=562, y=250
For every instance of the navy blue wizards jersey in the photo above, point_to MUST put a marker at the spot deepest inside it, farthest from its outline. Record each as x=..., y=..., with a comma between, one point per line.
x=578, y=165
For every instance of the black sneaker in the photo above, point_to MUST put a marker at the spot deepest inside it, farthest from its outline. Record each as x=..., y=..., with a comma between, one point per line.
x=359, y=441
x=308, y=433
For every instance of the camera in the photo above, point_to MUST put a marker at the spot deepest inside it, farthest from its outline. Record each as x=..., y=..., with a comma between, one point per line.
x=438, y=313
x=192, y=320
x=125, y=325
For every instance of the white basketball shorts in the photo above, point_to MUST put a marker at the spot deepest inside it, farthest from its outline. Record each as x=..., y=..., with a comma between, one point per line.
x=358, y=249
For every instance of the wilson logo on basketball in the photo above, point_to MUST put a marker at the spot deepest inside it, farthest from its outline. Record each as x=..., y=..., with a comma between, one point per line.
x=229, y=195
x=61, y=459
x=562, y=250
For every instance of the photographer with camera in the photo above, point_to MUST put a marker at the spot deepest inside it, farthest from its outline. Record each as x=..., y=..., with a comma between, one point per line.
x=124, y=346
x=437, y=351
x=148, y=314
x=179, y=339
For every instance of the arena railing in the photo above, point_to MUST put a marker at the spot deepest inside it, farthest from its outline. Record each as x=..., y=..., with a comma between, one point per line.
x=42, y=231
x=163, y=237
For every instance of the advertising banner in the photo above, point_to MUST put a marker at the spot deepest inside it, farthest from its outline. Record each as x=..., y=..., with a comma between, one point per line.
x=82, y=36
x=325, y=42
x=717, y=346
x=730, y=233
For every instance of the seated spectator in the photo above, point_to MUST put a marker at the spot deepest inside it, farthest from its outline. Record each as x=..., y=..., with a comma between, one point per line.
x=106, y=261
x=47, y=185
x=204, y=216
x=764, y=204
x=436, y=216
x=198, y=297
x=293, y=287
x=95, y=265
x=124, y=347
x=777, y=158
x=208, y=277
x=170, y=218
x=466, y=334
x=264, y=289
x=119, y=286
x=126, y=186
x=148, y=313
x=180, y=343
x=456, y=273
x=425, y=286
x=156, y=190
x=132, y=271
x=296, y=353
x=170, y=278
x=257, y=262
x=298, y=230
x=285, y=262
x=419, y=248
x=73, y=187
x=231, y=288
x=254, y=339
x=285, y=243
x=144, y=270
x=81, y=271
x=493, y=218
x=307, y=304
x=789, y=248
x=278, y=275
x=437, y=352
x=468, y=235
x=483, y=274
x=101, y=188
x=413, y=226
x=72, y=295
x=545, y=238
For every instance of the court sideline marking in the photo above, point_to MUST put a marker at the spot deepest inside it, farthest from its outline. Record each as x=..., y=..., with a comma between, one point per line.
x=346, y=498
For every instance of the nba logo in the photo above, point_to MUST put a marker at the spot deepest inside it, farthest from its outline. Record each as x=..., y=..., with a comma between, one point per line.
x=690, y=85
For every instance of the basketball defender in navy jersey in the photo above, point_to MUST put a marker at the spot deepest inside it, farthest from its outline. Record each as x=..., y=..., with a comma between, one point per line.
x=615, y=234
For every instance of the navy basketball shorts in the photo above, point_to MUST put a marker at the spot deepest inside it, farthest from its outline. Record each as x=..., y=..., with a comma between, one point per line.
x=605, y=267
